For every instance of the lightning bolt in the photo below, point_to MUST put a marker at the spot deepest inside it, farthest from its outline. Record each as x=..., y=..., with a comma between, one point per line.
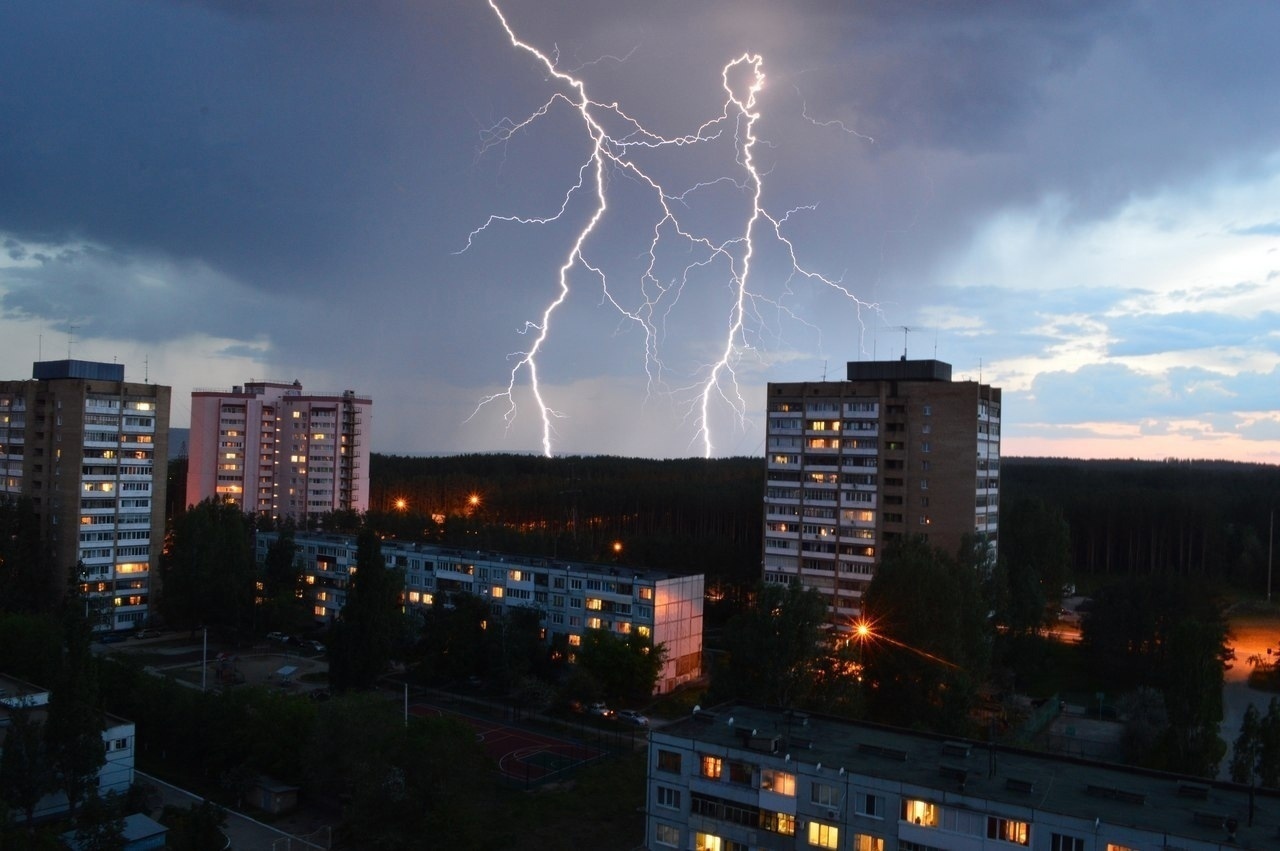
x=614, y=152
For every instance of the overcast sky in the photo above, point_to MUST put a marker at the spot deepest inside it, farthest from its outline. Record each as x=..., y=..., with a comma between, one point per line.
x=1078, y=202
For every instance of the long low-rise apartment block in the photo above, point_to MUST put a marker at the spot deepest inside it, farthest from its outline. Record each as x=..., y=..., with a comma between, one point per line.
x=571, y=597
x=743, y=778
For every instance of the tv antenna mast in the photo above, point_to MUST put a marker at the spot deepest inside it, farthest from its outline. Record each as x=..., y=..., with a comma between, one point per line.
x=905, y=331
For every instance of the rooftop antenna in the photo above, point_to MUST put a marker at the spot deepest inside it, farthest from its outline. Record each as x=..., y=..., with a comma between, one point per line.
x=71, y=336
x=824, y=370
x=146, y=369
x=905, y=331
x=935, y=343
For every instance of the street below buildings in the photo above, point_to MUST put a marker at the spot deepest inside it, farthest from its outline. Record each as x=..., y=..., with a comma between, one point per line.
x=1254, y=636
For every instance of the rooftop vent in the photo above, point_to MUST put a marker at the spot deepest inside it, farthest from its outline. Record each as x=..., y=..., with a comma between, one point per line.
x=956, y=749
x=1122, y=795
x=1018, y=784
x=1193, y=790
x=881, y=750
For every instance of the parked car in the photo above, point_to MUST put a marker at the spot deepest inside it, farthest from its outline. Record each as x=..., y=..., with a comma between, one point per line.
x=146, y=633
x=278, y=636
x=600, y=709
x=630, y=716
x=309, y=644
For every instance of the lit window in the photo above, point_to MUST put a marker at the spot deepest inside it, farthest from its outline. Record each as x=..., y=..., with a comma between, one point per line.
x=319, y=611
x=1008, y=830
x=498, y=591
x=646, y=593
x=824, y=835
x=643, y=631
x=783, y=823
x=712, y=766
x=707, y=842
x=862, y=842
x=778, y=782
x=919, y=812
x=594, y=604
x=575, y=640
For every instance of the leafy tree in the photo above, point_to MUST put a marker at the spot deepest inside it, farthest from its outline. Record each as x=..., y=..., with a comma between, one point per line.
x=100, y=826
x=626, y=668
x=73, y=731
x=25, y=773
x=1248, y=747
x=1145, y=722
x=1035, y=555
x=209, y=573
x=929, y=645
x=195, y=828
x=774, y=647
x=370, y=623
x=1193, y=695
x=25, y=580
x=31, y=646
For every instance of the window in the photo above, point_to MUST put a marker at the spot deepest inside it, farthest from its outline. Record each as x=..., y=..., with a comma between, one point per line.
x=741, y=773
x=669, y=761
x=707, y=842
x=919, y=812
x=1008, y=830
x=824, y=795
x=1062, y=842
x=666, y=834
x=669, y=798
x=869, y=805
x=783, y=823
x=824, y=835
x=863, y=842
x=778, y=782
x=712, y=766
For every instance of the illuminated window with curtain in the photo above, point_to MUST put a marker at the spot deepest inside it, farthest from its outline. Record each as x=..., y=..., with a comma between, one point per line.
x=863, y=842
x=712, y=766
x=824, y=835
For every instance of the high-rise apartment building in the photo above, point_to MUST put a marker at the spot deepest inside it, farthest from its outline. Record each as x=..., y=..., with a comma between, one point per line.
x=274, y=450
x=897, y=449
x=90, y=450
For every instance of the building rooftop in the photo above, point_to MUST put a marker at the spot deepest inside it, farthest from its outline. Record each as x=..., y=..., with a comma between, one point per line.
x=958, y=768
x=514, y=559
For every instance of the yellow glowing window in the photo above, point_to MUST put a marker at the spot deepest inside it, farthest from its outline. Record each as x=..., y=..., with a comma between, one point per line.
x=708, y=842
x=498, y=591
x=646, y=593
x=318, y=436
x=712, y=766
x=624, y=627
x=414, y=597
x=318, y=611
x=594, y=604
x=919, y=812
x=86, y=521
x=575, y=640
x=593, y=623
x=824, y=835
x=515, y=575
x=297, y=415
x=863, y=842
x=230, y=456
x=428, y=599
x=132, y=568
x=643, y=630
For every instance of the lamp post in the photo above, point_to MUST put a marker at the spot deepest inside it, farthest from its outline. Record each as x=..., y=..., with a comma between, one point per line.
x=1271, y=536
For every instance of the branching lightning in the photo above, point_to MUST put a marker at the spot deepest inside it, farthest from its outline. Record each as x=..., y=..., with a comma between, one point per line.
x=715, y=386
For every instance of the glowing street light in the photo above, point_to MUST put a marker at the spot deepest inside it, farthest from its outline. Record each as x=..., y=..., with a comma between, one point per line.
x=401, y=504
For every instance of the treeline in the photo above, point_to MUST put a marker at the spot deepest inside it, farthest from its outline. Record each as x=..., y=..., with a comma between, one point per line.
x=1201, y=519
x=686, y=515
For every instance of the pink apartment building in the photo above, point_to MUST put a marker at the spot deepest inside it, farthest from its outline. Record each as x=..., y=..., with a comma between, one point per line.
x=275, y=450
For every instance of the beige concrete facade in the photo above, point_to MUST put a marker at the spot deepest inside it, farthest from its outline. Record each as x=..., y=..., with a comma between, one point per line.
x=897, y=449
